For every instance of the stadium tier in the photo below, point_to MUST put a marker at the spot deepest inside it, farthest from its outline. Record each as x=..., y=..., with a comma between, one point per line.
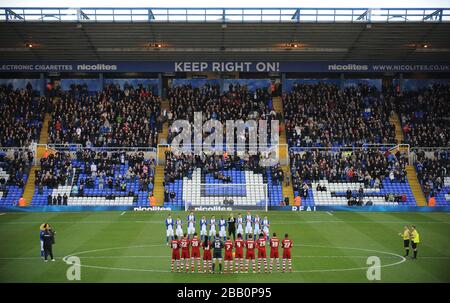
x=433, y=172
x=112, y=117
x=424, y=116
x=102, y=179
x=324, y=115
x=371, y=171
x=14, y=168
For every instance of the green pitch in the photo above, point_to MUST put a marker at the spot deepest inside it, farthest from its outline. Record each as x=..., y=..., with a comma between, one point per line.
x=131, y=247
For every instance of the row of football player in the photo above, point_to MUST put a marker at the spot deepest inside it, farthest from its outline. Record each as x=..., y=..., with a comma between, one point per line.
x=190, y=252
x=253, y=225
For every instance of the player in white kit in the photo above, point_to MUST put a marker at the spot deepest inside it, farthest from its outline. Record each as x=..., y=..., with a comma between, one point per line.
x=179, y=230
x=257, y=222
x=212, y=226
x=240, y=222
x=266, y=224
x=222, y=228
x=169, y=228
x=191, y=224
x=203, y=232
x=248, y=224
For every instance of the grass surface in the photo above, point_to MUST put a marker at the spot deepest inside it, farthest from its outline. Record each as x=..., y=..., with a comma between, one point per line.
x=328, y=247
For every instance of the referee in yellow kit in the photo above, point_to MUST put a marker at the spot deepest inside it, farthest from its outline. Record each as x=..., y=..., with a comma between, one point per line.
x=406, y=235
x=415, y=239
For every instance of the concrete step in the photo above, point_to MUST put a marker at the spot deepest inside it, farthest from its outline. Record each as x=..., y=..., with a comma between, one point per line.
x=158, y=189
x=395, y=120
x=288, y=191
x=415, y=186
x=30, y=185
x=43, y=136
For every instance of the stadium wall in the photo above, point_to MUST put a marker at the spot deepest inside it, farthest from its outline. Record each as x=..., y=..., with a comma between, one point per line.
x=395, y=208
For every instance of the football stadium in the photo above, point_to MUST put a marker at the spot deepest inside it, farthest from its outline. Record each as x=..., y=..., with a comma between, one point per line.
x=214, y=145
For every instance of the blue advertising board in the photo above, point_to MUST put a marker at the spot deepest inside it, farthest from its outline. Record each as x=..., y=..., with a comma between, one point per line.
x=375, y=208
x=223, y=66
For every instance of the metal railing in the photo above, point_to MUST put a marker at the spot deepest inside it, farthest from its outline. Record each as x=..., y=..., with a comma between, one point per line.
x=281, y=151
x=225, y=15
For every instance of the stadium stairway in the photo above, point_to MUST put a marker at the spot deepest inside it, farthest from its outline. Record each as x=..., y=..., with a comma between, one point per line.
x=410, y=170
x=415, y=186
x=288, y=191
x=41, y=149
x=283, y=149
x=395, y=120
x=162, y=137
x=29, y=186
x=158, y=189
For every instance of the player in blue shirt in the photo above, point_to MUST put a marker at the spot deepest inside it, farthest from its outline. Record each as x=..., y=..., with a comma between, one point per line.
x=222, y=228
x=169, y=228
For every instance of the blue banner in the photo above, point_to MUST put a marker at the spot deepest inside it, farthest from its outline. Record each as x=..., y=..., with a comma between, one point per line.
x=221, y=66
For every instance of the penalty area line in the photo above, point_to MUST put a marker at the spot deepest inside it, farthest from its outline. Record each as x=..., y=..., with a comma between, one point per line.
x=329, y=213
x=123, y=213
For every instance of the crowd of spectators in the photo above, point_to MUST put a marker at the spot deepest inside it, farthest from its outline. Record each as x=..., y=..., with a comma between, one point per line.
x=238, y=103
x=370, y=167
x=179, y=165
x=425, y=116
x=432, y=171
x=21, y=116
x=16, y=167
x=105, y=168
x=323, y=115
x=56, y=169
x=112, y=117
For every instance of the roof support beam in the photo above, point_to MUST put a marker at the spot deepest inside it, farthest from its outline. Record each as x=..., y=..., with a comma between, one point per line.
x=10, y=14
x=436, y=15
x=296, y=15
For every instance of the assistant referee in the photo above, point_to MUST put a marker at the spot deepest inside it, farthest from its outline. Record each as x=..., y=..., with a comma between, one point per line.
x=415, y=239
x=406, y=235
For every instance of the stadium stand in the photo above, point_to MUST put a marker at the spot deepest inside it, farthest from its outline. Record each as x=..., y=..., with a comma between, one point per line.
x=95, y=178
x=341, y=123
x=186, y=174
x=352, y=177
x=236, y=103
x=22, y=116
x=14, y=167
x=323, y=115
x=424, y=116
x=433, y=171
x=112, y=117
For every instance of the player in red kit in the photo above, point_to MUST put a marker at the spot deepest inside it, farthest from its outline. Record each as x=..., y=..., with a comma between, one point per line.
x=185, y=256
x=207, y=258
x=175, y=246
x=250, y=254
x=195, y=253
x=274, y=244
x=228, y=255
x=239, y=253
x=261, y=246
x=287, y=245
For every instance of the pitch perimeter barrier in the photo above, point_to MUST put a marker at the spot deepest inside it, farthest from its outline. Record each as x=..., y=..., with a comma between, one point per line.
x=396, y=208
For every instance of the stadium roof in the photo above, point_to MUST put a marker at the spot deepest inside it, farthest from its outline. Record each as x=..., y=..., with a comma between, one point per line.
x=416, y=35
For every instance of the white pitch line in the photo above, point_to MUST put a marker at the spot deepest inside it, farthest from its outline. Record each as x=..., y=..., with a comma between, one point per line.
x=139, y=257
x=123, y=213
x=2, y=214
x=329, y=213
